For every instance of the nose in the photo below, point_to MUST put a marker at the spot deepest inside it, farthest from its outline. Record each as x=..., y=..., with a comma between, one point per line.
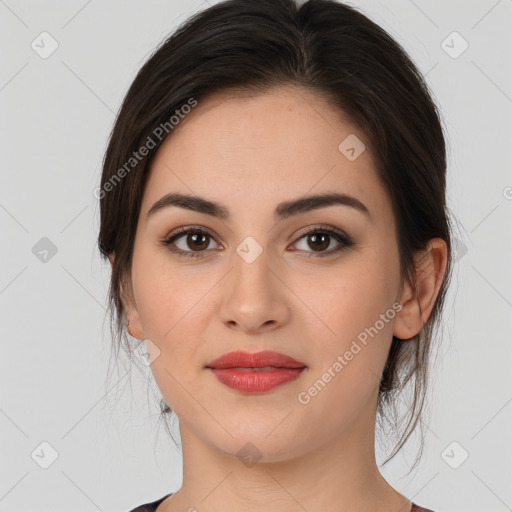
x=254, y=295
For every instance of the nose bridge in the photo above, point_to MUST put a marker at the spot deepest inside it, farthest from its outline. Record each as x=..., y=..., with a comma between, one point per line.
x=251, y=273
x=253, y=298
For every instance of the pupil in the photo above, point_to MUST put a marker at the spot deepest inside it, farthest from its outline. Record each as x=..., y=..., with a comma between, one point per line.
x=322, y=244
x=195, y=238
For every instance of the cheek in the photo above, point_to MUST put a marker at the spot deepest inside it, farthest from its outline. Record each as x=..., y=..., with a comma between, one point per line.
x=353, y=307
x=165, y=293
x=351, y=353
x=174, y=304
x=351, y=295
x=171, y=311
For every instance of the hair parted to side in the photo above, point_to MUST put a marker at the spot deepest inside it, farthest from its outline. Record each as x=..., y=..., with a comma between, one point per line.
x=335, y=51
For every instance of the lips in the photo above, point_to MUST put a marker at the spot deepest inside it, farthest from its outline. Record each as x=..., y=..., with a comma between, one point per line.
x=261, y=361
x=258, y=372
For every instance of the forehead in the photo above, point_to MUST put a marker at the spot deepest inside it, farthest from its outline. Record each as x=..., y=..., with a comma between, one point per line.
x=263, y=148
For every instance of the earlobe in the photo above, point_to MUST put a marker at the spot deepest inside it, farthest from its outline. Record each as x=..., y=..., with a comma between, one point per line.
x=419, y=298
x=132, y=317
x=134, y=333
x=133, y=321
x=112, y=259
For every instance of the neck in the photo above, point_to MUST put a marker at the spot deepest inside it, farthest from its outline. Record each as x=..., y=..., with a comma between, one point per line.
x=338, y=474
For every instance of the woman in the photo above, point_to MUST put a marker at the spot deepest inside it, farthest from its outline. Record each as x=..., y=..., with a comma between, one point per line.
x=273, y=208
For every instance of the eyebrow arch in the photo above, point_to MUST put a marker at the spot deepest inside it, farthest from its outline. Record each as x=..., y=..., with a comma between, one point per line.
x=282, y=211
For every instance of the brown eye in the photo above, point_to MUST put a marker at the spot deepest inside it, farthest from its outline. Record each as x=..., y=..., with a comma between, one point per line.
x=197, y=240
x=191, y=240
x=319, y=239
x=194, y=242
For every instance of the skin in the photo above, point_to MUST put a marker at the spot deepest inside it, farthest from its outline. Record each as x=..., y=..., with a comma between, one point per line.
x=251, y=152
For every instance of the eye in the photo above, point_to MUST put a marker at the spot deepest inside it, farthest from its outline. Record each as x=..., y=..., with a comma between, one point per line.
x=320, y=238
x=199, y=239
x=194, y=237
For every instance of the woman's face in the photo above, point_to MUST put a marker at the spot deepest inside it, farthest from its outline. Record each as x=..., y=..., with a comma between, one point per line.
x=257, y=281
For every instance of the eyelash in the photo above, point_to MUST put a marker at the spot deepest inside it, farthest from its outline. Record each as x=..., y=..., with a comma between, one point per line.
x=339, y=236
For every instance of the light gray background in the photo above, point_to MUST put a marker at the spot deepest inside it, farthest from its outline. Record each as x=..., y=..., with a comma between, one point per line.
x=56, y=114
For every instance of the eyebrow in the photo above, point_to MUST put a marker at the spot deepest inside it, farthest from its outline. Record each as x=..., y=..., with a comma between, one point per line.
x=283, y=210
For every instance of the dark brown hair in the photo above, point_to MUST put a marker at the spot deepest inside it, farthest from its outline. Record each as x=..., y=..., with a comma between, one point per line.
x=326, y=47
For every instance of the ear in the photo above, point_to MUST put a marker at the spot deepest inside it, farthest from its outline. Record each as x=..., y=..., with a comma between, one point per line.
x=132, y=316
x=419, y=298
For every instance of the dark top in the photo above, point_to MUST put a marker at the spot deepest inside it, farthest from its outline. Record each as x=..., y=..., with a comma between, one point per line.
x=151, y=507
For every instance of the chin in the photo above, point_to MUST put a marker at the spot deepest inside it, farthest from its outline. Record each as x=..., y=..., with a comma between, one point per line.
x=256, y=445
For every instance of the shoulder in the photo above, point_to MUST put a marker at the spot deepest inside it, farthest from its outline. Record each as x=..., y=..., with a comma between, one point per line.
x=150, y=507
x=417, y=508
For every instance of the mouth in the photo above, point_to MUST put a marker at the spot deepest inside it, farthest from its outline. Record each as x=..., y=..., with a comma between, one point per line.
x=255, y=372
x=256, y=369
x=259, y=361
